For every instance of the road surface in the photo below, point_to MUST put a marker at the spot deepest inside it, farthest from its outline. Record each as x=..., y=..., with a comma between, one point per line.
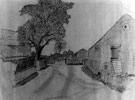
x=58, y=82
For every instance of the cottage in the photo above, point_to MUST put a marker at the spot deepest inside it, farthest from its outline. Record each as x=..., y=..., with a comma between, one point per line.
x=82, y=55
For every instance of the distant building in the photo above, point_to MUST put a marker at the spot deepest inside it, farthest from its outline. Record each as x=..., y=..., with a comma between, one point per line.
x=82, y=55
x=114, y=53
x=9, y=45
x=72, y=60
x=78, y=58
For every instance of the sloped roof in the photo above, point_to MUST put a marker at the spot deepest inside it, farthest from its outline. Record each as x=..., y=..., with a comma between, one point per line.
x=8, y=37
x=81, y=50
x=9, y=45
x=10, y=51
x=125, y=18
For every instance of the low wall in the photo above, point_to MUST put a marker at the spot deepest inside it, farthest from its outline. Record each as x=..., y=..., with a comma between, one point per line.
x=24, y=74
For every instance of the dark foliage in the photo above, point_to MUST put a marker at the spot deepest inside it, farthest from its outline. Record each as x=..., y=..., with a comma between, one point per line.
x=24, y=64
x=26, y=80
x=45, y=25
x=60, y=45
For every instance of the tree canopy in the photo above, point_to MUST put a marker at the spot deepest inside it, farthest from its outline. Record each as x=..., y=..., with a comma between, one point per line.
x=60, y=45
x=46, y=23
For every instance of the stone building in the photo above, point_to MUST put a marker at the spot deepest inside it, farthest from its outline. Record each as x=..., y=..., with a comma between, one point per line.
x=82, y=55
x=114, y=53
x=10, y=49
x=9, y=45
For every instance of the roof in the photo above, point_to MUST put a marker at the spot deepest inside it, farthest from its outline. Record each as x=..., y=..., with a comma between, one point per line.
x=81, y=50
x=8, y=37
x=123, y=18
x=9, y=51
x=8, y=31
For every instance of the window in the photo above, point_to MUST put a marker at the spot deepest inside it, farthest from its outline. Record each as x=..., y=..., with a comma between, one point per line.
x=105, y=67
x=125, y=26
x=115, y=50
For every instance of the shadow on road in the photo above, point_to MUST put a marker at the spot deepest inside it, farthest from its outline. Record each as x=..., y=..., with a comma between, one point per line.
x=68, y=81
x=45, y=84
x=85, y=88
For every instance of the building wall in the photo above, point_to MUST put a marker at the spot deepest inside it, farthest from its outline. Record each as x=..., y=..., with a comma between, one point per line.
x=9, y=45
x=121, y=35
x=82, y=54
x=94, y=58
x=8, y=37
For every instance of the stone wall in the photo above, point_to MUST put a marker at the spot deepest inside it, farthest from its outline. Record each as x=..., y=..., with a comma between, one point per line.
x=121, y=34
x=9, y=45
x=24, y=74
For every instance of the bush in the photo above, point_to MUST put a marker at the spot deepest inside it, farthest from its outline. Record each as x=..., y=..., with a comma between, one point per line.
x=25, y=63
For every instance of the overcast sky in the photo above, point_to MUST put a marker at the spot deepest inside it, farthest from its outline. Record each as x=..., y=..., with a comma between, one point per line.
x=90, y=19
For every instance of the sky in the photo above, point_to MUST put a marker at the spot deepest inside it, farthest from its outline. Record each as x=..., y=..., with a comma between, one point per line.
x=90, y=19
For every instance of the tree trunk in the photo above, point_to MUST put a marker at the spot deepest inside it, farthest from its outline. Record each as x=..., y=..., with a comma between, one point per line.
x=38, y=59
x=37, y=63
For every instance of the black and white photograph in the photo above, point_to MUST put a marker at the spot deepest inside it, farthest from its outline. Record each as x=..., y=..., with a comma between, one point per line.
x=67, y=50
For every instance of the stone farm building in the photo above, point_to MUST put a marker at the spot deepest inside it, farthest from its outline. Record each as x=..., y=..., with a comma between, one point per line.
x=115, y=51
x=9, y=46
x=10, y=49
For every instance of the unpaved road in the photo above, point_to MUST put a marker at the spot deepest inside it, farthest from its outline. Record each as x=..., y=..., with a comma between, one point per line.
x=59, y=82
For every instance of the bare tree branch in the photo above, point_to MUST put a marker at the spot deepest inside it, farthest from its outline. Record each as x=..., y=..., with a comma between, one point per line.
x=47, y=42
x=47, y=34
x=32, y=42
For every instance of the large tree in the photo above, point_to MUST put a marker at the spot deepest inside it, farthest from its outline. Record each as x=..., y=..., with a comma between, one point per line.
x=45, y=25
